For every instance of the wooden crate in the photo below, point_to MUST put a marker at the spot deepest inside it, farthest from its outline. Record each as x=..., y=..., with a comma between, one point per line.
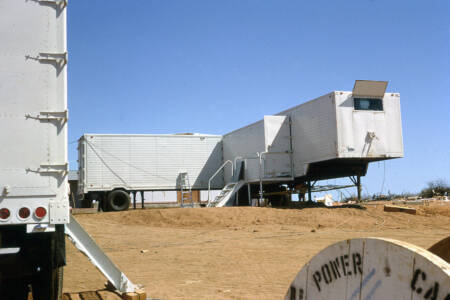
x=195, y=197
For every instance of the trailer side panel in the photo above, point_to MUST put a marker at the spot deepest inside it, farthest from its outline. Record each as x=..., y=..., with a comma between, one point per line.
x=149, y=162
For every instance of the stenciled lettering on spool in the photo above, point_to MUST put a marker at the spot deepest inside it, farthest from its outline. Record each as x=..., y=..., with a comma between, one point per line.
x=371, y=269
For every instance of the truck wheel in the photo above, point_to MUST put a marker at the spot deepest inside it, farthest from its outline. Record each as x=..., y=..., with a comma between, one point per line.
x=118, y=200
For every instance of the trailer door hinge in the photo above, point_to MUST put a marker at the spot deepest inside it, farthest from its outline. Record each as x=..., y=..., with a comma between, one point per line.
x=60, y=3
x=50, y=116
x=59, y=58
x=62, y=169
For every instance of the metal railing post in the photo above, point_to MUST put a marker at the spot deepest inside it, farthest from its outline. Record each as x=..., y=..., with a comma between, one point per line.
x=260, y=178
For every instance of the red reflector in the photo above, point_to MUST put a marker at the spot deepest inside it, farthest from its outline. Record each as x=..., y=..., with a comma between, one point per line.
x=40, y=212
x=4, y=213
x=24, y=212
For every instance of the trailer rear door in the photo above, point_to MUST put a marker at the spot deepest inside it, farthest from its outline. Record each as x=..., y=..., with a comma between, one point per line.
x=33, y=118
x=277, y=140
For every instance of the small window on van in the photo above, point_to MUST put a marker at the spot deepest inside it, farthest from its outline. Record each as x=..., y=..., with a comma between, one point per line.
x=368, y=104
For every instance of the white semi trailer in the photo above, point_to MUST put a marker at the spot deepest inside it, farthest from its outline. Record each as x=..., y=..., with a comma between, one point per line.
x=111, y=166
x=34, y=203
x=34, y=206
x=335, y=135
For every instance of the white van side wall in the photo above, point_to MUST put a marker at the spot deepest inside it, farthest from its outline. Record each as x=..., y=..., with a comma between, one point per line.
x=369, y=134
x=314, y=133
x=244, y=142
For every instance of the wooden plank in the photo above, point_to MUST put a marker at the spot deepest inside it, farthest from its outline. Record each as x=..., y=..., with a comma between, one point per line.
x=130, y=296
x=195, y=197
x=392, y=208
x=72, y=297
x=108, y=295
x=142, y=294
x=78, y=211
x=89, y=296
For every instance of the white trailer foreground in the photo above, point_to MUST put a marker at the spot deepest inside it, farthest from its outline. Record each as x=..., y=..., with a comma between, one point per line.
x=34, y=204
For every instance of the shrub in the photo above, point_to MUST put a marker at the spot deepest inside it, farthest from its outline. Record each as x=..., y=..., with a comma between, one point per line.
x=436, y=187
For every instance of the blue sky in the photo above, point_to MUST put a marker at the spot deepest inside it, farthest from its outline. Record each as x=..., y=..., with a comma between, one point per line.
x=208, y=66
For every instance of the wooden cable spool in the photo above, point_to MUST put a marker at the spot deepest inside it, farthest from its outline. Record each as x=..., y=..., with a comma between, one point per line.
x=372, y=269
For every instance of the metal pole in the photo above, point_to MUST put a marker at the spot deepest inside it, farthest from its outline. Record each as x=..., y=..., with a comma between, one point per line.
x=134, y=199
x=249, y=192
x=142, y=199
x=358, y=186
x=260, y=180
x=309, y=191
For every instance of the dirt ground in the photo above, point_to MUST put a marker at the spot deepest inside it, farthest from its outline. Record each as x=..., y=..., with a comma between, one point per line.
x=232, y=253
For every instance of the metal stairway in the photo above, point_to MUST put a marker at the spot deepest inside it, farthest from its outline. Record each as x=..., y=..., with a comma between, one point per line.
x=185, y=190
x=227, y=196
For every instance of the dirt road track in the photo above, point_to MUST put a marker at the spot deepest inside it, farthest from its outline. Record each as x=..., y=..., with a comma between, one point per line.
x=232, y=253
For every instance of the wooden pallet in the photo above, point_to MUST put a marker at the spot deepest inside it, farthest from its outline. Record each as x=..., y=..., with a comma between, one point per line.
x=105, y=295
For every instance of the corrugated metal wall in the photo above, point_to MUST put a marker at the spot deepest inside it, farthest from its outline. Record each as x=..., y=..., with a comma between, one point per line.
x=151, y=161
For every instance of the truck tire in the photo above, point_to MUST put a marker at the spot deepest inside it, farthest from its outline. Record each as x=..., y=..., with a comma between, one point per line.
x=118, y=200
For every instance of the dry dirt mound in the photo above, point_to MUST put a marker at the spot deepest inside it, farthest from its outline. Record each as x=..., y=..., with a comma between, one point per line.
x=436, y=210
x=246, y=216
x=230, y=253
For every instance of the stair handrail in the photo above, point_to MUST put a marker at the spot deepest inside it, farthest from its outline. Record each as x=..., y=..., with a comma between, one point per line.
x=214, y=175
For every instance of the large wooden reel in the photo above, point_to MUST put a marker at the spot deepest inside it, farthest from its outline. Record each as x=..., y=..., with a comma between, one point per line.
x=372, y=269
